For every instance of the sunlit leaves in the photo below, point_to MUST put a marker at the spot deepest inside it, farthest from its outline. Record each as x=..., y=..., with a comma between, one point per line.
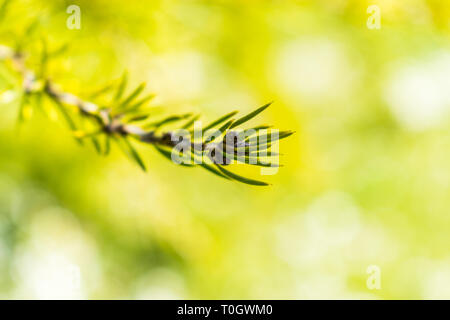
x=167, y=120
x=190, y=123
x=213, y=170
x=126, y=146
x=132, y=96
x=138, y=118
x=116, y=113
x=268, y=138
x=24, y=108
x=107, y=145
x=226, y=126
x=96, y=144
x=121, y=87
x=219, y=121
x=240, y=178
x=100, y=92
x=168, y=155
x=250, y=115
x=65, y=113
x=140, y=103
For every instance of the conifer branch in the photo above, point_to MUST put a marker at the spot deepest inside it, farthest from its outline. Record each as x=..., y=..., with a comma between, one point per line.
x=126, y=117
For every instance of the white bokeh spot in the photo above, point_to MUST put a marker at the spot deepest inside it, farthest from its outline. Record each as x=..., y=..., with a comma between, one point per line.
x=418, y=93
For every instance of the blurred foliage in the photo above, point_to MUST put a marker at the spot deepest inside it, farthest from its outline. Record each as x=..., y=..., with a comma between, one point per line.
x=366, y=177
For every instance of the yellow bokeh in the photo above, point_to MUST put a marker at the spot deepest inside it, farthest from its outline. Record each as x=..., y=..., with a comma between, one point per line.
x=365, y=180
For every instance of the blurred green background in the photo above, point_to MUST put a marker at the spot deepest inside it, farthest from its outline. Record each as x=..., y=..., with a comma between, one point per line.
x=366, y=176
